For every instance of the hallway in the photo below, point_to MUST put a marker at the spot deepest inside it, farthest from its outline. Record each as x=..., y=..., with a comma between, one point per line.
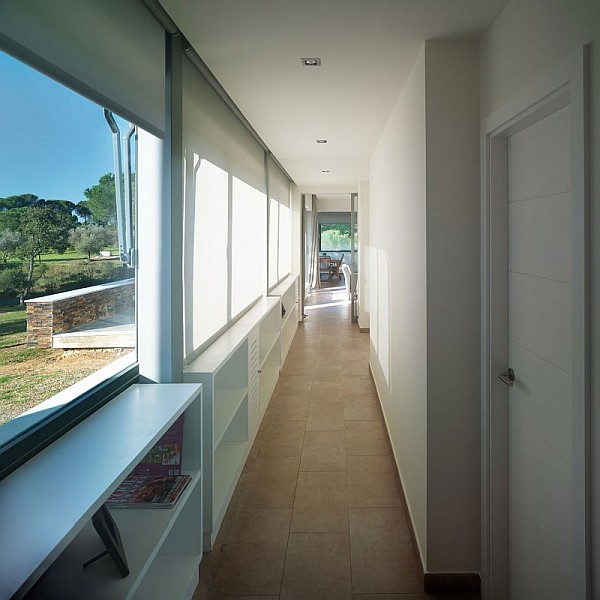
x=318, y=513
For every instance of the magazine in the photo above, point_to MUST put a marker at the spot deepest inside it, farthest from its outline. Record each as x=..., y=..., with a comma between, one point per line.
x=146, y=491
x=156, y=482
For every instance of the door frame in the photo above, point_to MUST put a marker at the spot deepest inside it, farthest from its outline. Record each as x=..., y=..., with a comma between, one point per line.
x=566, y=85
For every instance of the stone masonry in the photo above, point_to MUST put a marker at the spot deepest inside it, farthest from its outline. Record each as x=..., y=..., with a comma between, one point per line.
x=65, y=311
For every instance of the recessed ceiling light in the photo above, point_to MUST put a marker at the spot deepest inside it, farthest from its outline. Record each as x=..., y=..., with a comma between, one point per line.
x=321, y=141
x=311, y=62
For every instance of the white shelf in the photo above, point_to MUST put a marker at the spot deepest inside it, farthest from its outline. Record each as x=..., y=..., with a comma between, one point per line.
x=229, y=461
x=268, y=340
x=47, y=502
x=227, y=403
x=143, y=533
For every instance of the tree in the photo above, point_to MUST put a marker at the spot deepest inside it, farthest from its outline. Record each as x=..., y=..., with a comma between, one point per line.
x=9, y=242
x=101, y=200
x=44, y=227
x=13, y=281
x=90, y=239
x=82, y=211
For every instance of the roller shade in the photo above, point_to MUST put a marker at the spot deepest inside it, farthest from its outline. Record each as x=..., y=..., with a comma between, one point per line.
x=279, y=184
x=213, y=132
x=110, y=51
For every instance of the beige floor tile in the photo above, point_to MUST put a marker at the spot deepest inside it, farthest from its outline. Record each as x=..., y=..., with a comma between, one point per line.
x=317, y=567
x=320, y=519
x=361, y=411
x=320, y=459
x=324, y=440
x=253, y=563
x=331, y=374
x=321, y=489
x=390, y=597
x=277, y=466
x=357, y=385
x=324, y=425
x=326, y=411
x=326, y=391
x=366, y=442
x=221, y=597
x=289, y=409
x=372, y=482
x=282, y=445
x=383, y=558
x=282, y=427
x=267, y=490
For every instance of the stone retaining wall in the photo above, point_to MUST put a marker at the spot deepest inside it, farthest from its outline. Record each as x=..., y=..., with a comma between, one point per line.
x=66, y=311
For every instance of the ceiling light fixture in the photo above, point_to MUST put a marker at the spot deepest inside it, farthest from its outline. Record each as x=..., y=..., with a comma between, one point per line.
x=321, y=141
x=311, y=62
x=326, y=171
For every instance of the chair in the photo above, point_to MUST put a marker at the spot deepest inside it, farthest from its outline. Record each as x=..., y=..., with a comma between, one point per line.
x=347, y=278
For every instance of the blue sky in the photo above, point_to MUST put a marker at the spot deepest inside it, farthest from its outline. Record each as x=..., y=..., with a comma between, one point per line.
x=53, y=142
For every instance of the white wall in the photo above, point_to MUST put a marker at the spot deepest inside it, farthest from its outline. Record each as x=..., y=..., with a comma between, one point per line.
x=398, y=289
x=453, y=336
x=528, y=38
x=363, y=218
x=424, y=239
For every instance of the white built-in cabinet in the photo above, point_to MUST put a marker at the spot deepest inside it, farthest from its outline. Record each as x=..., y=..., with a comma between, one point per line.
x=46, y=506
x=288, y=291
x=238, y=373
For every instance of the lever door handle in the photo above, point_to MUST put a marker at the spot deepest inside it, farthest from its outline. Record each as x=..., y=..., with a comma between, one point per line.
x=508, y=377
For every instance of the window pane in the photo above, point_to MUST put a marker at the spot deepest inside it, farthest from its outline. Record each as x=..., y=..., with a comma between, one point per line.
x=273, y=240
x=209, y=192
x=285, y=241
x=335, y=237
x=248, y=244
x=67, y=303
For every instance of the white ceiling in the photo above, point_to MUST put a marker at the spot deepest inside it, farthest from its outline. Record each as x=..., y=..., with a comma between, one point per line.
x=367, y=49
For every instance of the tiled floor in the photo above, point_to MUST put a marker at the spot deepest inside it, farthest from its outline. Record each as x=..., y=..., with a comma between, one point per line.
x=317, y=513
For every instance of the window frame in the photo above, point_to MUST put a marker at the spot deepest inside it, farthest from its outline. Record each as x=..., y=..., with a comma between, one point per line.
x=46, y=431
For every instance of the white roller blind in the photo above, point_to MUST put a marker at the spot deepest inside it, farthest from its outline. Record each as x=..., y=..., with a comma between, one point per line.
x=225, y=213
x=279, y=184
x=111, y=51
x=213, y=132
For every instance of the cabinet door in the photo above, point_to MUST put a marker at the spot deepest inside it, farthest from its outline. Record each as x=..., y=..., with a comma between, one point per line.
x=253, y=390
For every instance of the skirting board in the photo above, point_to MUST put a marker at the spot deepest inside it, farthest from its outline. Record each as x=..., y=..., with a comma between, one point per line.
x=452, y=582
x=365, y=329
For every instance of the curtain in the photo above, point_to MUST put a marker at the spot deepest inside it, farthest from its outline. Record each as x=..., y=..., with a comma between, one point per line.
x=315, y=274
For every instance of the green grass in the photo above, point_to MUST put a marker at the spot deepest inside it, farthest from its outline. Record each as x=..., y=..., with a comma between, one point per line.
x=13, y=326
x=18, y=354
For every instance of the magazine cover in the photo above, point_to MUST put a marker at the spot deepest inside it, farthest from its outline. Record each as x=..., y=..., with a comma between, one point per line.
x=145, y=491
x=165, y=457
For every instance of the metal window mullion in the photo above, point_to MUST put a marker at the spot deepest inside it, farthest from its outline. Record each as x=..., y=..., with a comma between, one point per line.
x=229, y=244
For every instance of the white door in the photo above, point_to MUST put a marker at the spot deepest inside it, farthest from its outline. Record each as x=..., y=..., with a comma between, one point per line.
x=535, y=323
x=539, y=352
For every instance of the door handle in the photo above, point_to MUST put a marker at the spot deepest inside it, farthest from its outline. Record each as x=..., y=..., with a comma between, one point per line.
x=508, y=377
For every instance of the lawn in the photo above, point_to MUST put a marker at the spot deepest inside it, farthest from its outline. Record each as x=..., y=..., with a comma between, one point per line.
x=29, y=376
x=13, y=325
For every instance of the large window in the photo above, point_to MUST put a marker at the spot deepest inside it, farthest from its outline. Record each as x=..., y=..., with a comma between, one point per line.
x=67, y=300
x=335, y=237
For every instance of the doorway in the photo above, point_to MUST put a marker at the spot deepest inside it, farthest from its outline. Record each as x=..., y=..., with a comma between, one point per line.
x=535, y=348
